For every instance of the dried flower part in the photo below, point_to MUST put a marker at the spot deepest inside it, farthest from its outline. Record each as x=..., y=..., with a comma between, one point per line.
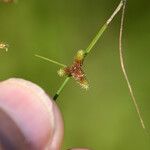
x=4, y=46
x=77, y=71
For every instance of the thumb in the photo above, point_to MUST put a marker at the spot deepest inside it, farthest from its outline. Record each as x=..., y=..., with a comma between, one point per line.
x=28, y=113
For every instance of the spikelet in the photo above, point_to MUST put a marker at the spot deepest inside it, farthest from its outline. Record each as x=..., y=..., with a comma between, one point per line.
x=84, y=84
x=76, y=70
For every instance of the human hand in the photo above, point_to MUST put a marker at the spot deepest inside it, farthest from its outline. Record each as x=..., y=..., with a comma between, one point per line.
x=29, y=119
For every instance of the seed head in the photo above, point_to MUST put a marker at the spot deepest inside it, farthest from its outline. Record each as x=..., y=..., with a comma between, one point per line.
x=76, y=71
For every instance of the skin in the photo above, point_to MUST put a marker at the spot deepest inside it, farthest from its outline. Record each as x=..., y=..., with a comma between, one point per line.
x=29, y=118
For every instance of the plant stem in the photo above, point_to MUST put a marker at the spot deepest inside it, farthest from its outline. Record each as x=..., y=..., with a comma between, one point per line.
x=94, y=41
x=124, y=70
x=104, y=27
x=61, y=88
x=52, y=61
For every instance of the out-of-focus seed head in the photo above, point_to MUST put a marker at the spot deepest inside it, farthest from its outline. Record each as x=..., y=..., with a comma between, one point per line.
x=8, y=1
x=3, y=46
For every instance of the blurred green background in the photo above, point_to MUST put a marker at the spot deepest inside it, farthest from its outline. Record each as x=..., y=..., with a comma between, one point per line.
x=103, y=118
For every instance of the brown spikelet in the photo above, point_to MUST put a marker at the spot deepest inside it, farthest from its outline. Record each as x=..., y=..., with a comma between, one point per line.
x=76, y=70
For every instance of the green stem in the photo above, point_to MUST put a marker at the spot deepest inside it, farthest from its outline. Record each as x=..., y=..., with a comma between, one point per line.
x=61, y=88
x=52, y=61
x=104, y=27
x=94, y=41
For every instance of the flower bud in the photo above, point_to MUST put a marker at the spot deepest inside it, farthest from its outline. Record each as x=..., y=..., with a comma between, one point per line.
x=80, y=55
x=61, y=72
